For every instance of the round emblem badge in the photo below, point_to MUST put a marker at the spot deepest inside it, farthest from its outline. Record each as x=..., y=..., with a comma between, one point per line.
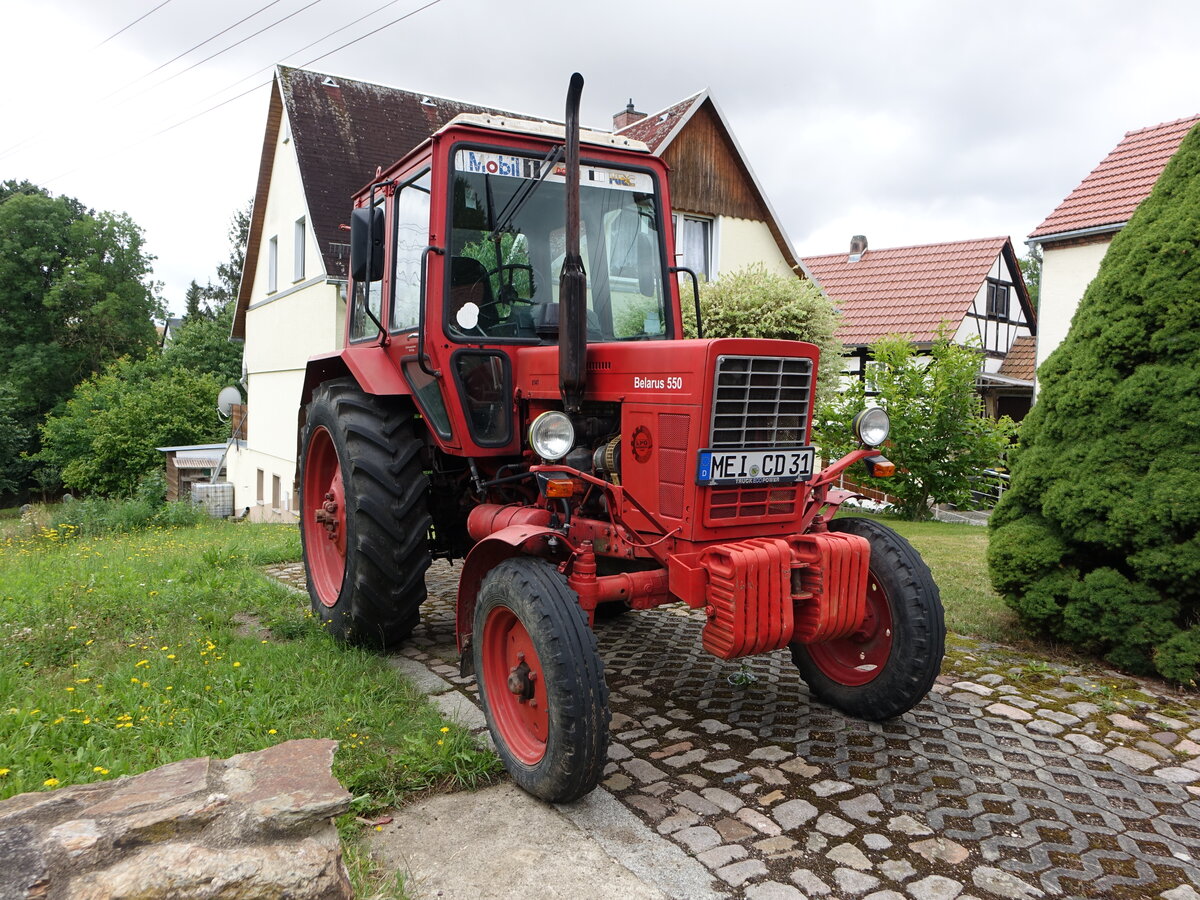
x=641, y=443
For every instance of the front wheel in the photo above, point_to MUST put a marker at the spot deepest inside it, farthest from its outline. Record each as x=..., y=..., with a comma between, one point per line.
x=889, y=665
x=541, y=680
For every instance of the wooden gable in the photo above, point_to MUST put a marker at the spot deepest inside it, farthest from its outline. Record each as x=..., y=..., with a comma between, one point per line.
x=707, y=172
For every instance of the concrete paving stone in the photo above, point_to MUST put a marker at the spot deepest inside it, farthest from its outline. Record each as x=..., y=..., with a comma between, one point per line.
x=862, y=808
x=876, y=842
x=1193, y=764
x=854, y=883
x=1009, y=712
x=1154, y=749
x=799, y=767
x=809, y=882
x=657, y=789
x=1177, y=775
x=832, y=825
x=677, y=821
x=618, y=782
x=981, y=690
x=655, y=722
x=1191, y=748
x=793, y=813
x=758, y=822
x=1004, y=884
x=655, y=809
x=620, y=721
x=941, y=849
x=419, y=674
x=828, y=788
x=679, y=715
x=935, y=887
x=772, y=890
x=1085, y=743
x=816, y=842
x=906, y=824
x=458, y=708
x=1166, y=721
x=685, y=759
x=897, y=869
x=850, y=855
x=721, y=766
x=738, y=873
x=732, y=831
x=1135, y=759
x=697, y=781
x=644, y=743
x=637, y=692
x=722, y=855
x=671, y=750
x=774, y=845
x=770, y=753
x=619, y=751
x=723, y=799
x=712, y=726
x=679, y=734
x=969, y=699
x=771, y=798
x=632, y=735
x=698, y=838
x=1183, y=892
x=884, y=895
x=1119, y=720
x=1061, y=718
x=991, y=678
x=1045, y=726
x=1023, y=702
x=1083, y=709
x=748, y=787
x=610, y=768
x=1079, y=681
x=643, y=771
x=742, y=733
x=1166, y=738
x=696, y=803
x=769, y=776
x=719, y=747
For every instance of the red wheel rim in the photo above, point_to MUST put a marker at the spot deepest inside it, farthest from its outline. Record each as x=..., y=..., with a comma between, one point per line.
x=509, y=660
x=859, y=658
x=324, y=517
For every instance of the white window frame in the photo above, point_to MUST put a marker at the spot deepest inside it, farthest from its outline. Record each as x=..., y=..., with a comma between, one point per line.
x=678, y=219
x=300, y=232
x=273, y=264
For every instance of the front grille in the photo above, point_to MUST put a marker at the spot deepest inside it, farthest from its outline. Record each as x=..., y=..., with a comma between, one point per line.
x=731, y=505
x=760, y=401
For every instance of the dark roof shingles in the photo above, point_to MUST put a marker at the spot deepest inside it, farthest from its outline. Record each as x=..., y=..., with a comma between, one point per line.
x=655, y=128
x=1021, y=359
x=1122, y=180
x=904, y=290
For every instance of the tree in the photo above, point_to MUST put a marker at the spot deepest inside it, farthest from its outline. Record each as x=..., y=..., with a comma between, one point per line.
x=752, y=302
x=1031, y=271
x=939, y=438
x=193, y=308
x=104, y=439
x=229, y=273
x=202, y=345
x=14, y=442
x=1098, y=540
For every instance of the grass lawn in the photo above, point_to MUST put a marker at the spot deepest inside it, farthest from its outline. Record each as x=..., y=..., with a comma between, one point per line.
x=123, y=652
x=957, y=557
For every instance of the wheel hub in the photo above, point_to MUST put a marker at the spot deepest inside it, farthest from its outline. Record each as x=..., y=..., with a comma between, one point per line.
x=327, y=517
x=520, y=681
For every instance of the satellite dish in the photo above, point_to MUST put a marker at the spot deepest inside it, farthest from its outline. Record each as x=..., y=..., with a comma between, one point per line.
x=227, y=399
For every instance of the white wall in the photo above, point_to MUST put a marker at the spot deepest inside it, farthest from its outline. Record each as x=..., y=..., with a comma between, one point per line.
x=993, y=335
x=741, y=242
x=1066, y=273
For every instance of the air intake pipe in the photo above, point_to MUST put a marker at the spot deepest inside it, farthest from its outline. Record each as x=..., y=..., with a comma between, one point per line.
x=572, y=284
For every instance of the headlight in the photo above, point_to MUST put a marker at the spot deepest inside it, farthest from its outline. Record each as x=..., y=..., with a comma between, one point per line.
x=552, y=435
x=871, y=426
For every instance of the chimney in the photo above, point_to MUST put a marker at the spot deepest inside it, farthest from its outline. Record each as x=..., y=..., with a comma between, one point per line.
x=627, y=116
x=858, y=246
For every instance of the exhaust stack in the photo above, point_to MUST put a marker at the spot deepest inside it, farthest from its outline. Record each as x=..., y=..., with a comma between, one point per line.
x=572, y=284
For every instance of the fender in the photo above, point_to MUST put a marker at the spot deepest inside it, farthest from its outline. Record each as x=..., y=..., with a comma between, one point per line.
x=515, y=540
x=370, y=366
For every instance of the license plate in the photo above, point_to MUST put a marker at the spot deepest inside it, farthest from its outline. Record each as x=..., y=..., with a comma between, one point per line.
x=775, y=466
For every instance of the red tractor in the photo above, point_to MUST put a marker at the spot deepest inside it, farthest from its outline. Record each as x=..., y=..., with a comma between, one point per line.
x=558, y=432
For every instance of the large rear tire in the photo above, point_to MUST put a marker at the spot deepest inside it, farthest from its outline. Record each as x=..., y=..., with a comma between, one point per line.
x=364, y=515
x=541, y=680
x=889, y=665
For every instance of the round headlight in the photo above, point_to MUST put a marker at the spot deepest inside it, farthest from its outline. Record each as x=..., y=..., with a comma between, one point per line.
x=871, y=426
x=552, y=435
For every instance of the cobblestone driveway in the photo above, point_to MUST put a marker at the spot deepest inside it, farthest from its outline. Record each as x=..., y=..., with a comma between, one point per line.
x=1014, y=779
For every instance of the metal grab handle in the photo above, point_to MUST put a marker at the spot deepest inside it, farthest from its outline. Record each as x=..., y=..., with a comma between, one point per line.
x=696, y=291
x=432, y=373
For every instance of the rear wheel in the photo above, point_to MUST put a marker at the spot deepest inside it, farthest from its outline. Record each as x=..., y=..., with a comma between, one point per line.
x=364, y=515
x=889, y=665
x=541, y=680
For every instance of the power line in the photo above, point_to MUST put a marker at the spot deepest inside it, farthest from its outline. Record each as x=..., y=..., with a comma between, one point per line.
x=130, y=25
x=371, y=33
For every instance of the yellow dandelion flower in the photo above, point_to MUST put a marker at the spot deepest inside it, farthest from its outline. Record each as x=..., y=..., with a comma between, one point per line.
x=236, y=665
x=50, y=782
x=445, y=730
x=271, y=731
x=4, y=772
x=100, y=769
x=70, y=689
x=170, y=656
x=440, y=742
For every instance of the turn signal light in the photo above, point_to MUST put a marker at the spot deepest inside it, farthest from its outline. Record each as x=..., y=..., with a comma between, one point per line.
x=878, y=467
x=560, y=487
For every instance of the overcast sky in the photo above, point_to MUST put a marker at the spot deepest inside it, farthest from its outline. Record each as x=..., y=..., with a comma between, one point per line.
x=910, y=122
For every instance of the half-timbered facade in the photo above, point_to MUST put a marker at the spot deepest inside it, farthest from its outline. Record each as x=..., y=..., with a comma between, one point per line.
x=973, y=290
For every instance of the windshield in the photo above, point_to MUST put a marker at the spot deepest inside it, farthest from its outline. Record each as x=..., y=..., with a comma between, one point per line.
x=507, y=243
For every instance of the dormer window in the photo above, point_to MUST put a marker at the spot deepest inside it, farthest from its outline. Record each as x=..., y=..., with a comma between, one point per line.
x=997, y=300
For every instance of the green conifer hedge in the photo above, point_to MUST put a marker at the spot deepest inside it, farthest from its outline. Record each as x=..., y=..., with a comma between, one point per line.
x=1098, y=541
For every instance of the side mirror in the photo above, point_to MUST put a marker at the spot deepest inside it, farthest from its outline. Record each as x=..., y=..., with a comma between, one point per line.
x=366, y=244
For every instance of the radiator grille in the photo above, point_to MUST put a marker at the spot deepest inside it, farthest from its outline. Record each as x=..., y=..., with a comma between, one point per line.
x=727, y=506
x=760, y=401
x=672, y=462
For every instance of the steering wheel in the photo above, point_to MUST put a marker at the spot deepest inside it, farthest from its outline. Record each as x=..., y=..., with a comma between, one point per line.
x=508, y=293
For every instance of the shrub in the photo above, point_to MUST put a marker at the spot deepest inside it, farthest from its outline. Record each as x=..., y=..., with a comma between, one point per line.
x=1104, y=479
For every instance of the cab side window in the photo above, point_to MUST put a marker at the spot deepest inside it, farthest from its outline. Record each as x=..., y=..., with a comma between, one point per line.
x=411, y=238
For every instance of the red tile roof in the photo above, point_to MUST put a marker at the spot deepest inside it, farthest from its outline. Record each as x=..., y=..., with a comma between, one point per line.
x=657, y=127
x=906, y=290
x=1020, y=362
x=1124, y=178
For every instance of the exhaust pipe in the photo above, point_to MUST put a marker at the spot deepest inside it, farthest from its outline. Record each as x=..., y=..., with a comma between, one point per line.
x=572, y=283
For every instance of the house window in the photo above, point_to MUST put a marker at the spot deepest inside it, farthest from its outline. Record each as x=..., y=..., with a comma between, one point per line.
x=997, y=300
x=276, y=491
x=258, y=494
x=693, y=244
x=298, y=256
x=273, y=265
